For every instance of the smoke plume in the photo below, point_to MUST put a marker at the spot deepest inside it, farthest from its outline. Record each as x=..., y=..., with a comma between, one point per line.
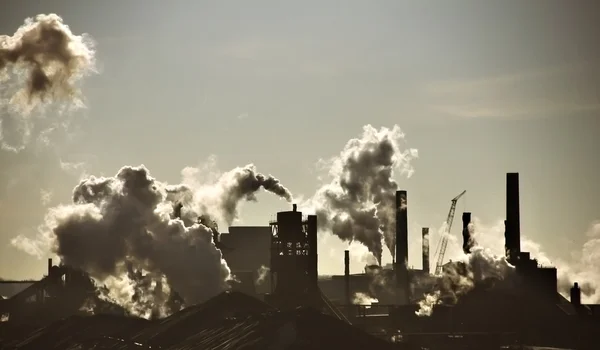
x=122, y=231
x=363, y=299
x=40, y=64
x=262, y=275
x=460, y=277
x=359, y=202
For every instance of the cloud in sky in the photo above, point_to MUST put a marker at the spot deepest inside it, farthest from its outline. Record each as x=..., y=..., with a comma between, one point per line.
x=550, y=91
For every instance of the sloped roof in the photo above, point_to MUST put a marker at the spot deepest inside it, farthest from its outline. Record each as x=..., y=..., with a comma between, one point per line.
x=229, y=321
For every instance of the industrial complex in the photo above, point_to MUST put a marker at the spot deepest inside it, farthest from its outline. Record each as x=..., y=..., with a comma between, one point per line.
x=279, y=301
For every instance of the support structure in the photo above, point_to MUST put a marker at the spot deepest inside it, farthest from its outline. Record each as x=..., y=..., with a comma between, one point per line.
x=294, y=260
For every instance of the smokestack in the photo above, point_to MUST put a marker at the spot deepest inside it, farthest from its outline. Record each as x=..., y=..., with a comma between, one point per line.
x=401, y=229
x=513, y=221
x=425, y=232
x=347, y=276
x=576, y=294
x=49, y=266
x=467, y=239
x=294, y=207
x=401, y=266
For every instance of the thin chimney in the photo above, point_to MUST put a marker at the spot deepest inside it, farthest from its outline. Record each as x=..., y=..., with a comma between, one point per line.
x=425, y=234
x=347, y=276
x=513, y=220
x=401, y=266
x=49, y=266
x=576, y=294
x=467, y=239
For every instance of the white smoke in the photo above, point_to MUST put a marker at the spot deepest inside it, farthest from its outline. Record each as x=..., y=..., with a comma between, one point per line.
x=262, y=274
x=488, y=254
x=121, y=231
x=359, y=203
x=363, y=299
x=41, y=64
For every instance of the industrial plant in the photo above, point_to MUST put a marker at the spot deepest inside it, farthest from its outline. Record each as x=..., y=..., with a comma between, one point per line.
x=278, y=300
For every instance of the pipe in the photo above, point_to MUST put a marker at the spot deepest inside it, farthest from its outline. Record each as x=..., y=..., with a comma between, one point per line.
x=513, y=220
x=347, y=276
x=425, y=251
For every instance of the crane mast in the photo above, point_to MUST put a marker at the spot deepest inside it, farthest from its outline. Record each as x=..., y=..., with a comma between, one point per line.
x=444, y=241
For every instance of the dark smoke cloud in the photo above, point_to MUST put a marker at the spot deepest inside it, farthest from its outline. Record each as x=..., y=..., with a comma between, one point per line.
x=122, y=231
x=359, y=202
x=40, y=64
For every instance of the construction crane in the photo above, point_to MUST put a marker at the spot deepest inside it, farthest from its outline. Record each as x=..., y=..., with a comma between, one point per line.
x=441, y=248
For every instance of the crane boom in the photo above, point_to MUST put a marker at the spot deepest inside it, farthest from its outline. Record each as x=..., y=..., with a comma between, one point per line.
x=444, y=241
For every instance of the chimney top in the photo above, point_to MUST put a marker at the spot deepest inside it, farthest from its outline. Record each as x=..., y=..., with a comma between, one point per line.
x=294, y=207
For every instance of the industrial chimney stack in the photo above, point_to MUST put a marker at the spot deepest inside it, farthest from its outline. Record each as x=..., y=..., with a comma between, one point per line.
x=576, y=294
x=513, y=222
x=401, y=265
x=467, y=239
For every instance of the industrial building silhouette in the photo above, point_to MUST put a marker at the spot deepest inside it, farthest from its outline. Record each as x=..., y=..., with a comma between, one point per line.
x=279, y=300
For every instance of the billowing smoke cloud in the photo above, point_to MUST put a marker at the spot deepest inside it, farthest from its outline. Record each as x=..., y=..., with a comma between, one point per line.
x=122, y=231
x=220, y=197
x=460, y=277
x=359, y=202
x=363, y=299
x=40, y=64
x=488, y=250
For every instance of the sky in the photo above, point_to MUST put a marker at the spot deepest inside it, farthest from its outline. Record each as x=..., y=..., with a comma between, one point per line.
x=479, y=88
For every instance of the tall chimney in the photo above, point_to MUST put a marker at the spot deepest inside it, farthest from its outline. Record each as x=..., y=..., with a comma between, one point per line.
x=401, y=229
x=347, y=276
x=401, y=266
x=425, y=235
x=513, y=221
x=49, y=266
x=467, y=239
x=576, y=294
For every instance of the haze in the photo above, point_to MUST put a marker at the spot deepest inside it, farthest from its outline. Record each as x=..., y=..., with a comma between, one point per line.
x=480, y=89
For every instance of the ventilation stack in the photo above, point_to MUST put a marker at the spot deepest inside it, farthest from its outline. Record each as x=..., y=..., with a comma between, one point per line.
x=467, y=239
x=401, y=265
x=513, y=222
x=425, y=251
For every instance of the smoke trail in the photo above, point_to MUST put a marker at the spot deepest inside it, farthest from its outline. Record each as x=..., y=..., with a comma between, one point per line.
x=40, y=64
x=359, y=202
x=121, y=231
x=220, y=198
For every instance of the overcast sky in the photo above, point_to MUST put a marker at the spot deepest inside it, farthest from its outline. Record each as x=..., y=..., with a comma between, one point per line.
x=480, y=88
